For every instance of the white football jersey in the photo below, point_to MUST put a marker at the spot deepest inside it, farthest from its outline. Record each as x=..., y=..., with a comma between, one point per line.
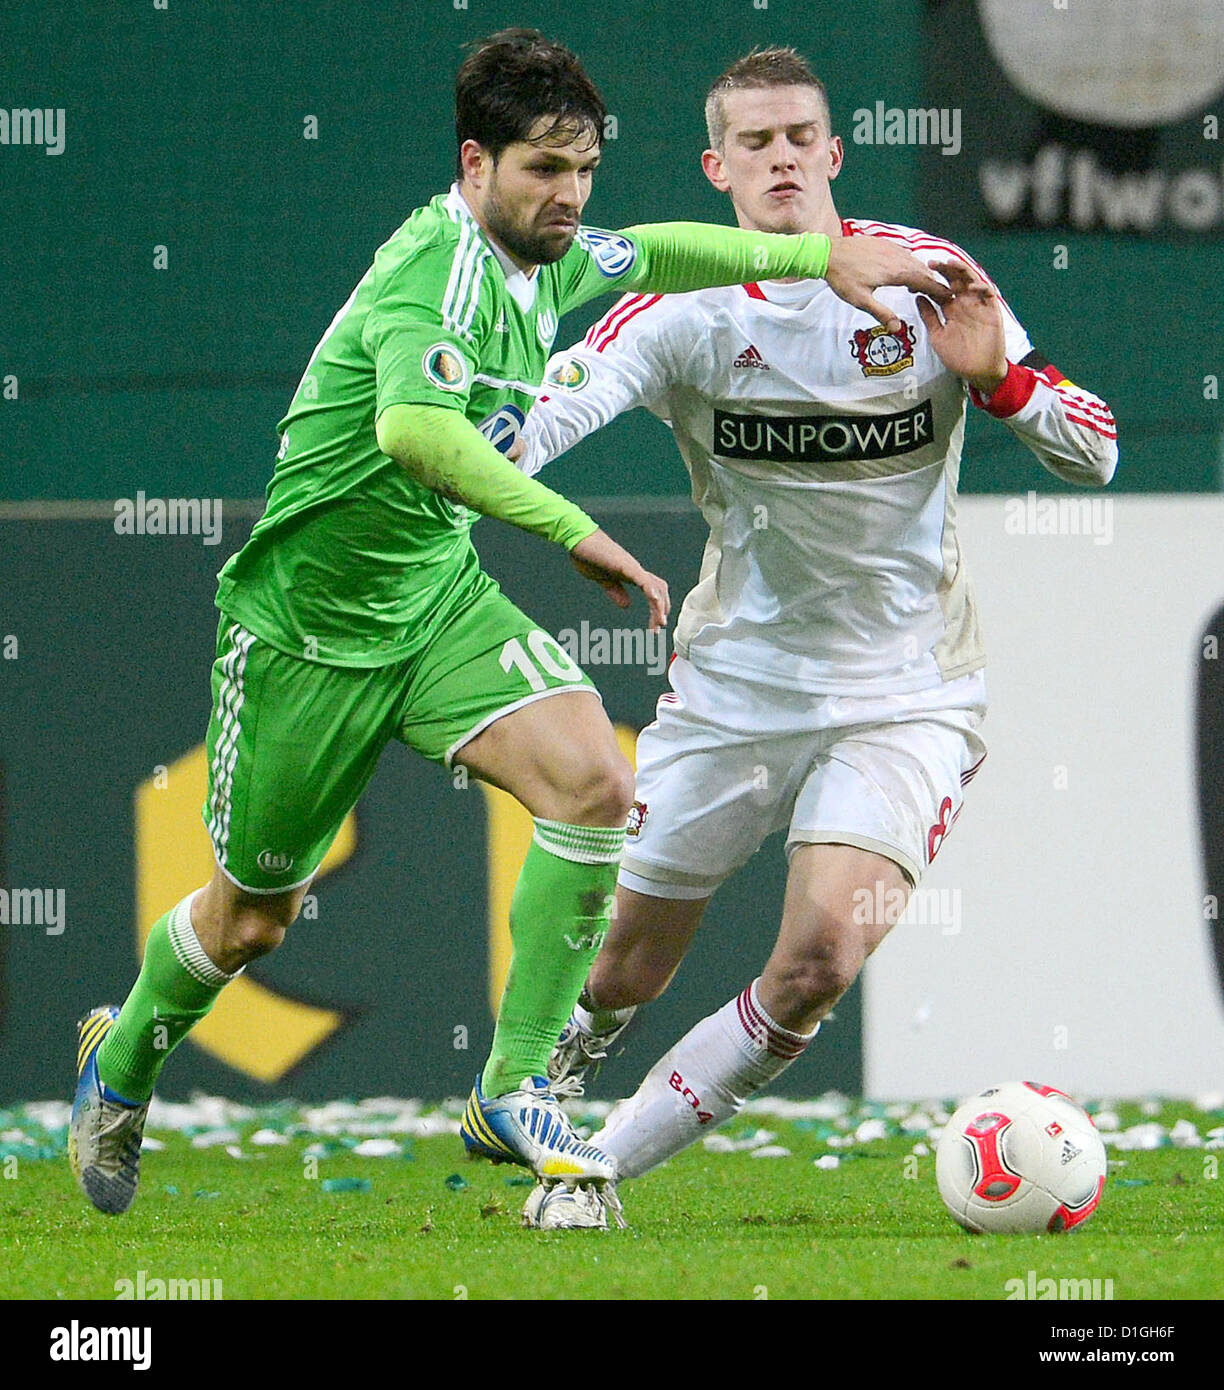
x=824, y=454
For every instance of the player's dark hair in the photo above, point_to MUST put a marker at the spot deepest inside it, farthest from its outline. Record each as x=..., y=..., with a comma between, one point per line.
x=763, y=67
x=511, y=80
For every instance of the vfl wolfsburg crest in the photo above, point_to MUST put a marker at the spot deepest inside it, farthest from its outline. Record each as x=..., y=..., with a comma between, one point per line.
x=445, y=367
x=611, y=252
x=546, y=328
x=568, y=373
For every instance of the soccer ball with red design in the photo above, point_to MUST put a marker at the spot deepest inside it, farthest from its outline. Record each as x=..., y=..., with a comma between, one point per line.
x=1020, y=1158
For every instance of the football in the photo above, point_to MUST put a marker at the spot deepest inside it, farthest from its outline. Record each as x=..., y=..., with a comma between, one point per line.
x=1020, y=1158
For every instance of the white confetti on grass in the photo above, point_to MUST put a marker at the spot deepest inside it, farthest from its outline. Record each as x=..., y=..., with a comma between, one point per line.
x=215, y=1121
x=51, y=1114
x=1185, y=1135
x=1145, y=1136
x=378, y=1148
x=870, y=1130
x=268, y=1137
x=212, y=1138
x=724, y=1144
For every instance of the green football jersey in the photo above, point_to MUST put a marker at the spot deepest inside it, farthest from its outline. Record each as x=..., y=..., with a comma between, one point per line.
x=353, y=560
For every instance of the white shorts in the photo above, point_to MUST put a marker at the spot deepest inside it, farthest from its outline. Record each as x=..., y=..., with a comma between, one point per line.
x=726, y=763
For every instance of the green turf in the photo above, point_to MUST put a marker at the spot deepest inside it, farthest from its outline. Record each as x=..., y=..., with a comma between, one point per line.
x=707, y=1225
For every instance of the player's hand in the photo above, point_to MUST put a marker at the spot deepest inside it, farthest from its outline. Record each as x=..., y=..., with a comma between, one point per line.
x=598, y=557
x=969, y=338
x=860, y=265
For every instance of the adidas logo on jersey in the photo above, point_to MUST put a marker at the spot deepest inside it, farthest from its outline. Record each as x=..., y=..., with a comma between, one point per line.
x=750, y=357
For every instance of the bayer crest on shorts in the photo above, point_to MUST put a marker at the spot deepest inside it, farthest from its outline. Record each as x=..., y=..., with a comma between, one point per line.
x=612, y=253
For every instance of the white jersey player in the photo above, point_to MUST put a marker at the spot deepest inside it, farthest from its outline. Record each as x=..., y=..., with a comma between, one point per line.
x=828, y=677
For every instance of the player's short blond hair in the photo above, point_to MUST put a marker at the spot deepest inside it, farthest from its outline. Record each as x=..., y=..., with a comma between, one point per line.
x=763, y=67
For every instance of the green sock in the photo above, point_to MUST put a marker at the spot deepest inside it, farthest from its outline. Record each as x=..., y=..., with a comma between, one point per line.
x=178, y=984
x=558, y=919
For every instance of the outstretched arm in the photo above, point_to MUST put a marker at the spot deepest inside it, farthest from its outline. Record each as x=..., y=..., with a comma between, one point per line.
x=445, y=452
x=675, y=257
x=627, y=359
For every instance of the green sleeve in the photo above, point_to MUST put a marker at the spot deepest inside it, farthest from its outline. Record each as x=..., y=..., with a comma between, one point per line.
x=420, y=356
x=674, y=257
x=449, y=455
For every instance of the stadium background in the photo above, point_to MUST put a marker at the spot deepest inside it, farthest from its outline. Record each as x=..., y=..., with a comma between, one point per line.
x=187, y=129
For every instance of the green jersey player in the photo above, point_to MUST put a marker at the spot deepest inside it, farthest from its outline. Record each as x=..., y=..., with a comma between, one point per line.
x=358, y=613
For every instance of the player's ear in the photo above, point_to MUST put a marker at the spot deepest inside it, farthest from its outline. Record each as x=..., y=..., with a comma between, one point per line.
x=837, y=156
x=474, y=161
x=712, y=164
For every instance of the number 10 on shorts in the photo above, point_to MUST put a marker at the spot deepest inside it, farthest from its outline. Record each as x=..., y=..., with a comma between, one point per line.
x=544, y=657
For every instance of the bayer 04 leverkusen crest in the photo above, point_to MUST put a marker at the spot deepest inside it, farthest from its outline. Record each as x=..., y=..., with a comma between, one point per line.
x=880, y=352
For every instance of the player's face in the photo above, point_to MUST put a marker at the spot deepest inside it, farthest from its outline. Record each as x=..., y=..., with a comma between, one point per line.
x=777, y=159
x=532, y=198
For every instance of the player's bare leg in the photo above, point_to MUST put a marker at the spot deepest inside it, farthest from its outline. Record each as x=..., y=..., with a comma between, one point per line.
x=559, y=757
x=827, y=930
x=645, y=945
x=236, y=927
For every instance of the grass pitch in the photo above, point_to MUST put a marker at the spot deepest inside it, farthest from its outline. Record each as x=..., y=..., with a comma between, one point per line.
x=278, y=1220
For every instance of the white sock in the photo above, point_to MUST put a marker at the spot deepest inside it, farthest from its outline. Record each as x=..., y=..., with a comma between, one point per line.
x=594, y=1020
x=704, y=1080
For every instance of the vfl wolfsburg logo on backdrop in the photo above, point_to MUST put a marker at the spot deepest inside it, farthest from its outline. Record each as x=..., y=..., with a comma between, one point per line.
x=611, y=252
x=445, y=367
x=502, y=428
x=567, y=373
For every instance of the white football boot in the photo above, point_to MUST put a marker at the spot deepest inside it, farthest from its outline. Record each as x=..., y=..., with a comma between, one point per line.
x=559, y=1208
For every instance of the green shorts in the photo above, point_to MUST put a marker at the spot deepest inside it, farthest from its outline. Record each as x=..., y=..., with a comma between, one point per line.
x=292, y=743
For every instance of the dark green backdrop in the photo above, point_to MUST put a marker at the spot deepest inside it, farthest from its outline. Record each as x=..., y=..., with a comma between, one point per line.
x=185, y=128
